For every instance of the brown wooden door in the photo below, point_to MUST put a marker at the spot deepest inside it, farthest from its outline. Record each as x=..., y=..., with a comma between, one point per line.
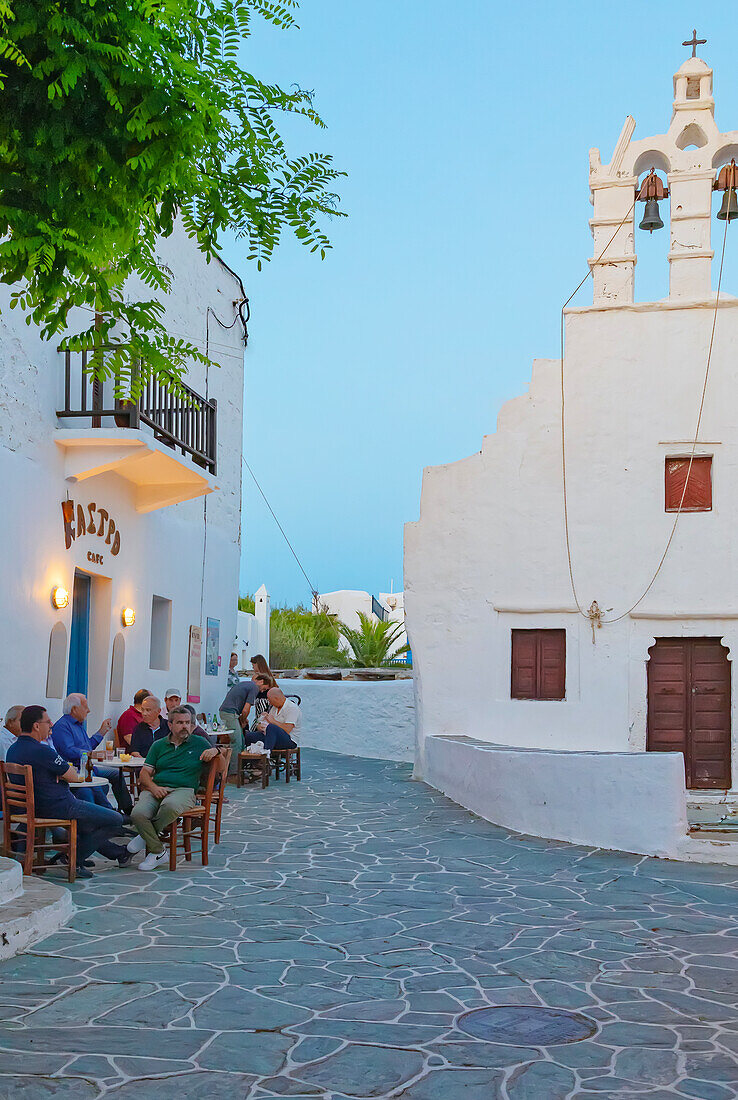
x=689, y=707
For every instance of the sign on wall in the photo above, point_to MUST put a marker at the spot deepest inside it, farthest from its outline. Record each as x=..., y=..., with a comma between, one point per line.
x=82, y=520
x=194, y=656
x=212, y=646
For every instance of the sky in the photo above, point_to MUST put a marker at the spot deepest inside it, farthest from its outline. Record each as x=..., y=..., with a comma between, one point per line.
x=464, y=129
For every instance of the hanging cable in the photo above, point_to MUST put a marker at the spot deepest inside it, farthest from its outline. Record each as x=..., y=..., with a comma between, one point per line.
x=594, y=614
x=311, y=586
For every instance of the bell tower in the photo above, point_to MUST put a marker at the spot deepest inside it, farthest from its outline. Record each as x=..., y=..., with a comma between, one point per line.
x=686, y=160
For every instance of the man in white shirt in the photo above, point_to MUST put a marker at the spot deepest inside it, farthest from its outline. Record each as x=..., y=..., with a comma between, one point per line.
x=10, y=730
x=281, y=724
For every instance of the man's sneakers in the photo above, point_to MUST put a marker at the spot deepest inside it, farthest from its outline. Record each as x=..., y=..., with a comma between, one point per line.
x=136, y=844
x=154, y=860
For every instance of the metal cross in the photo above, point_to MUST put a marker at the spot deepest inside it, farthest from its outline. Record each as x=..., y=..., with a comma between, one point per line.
x=694, y=42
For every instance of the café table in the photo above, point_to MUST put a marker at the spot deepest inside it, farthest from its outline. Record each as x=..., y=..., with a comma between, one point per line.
x=96, y=781
x=133, y=765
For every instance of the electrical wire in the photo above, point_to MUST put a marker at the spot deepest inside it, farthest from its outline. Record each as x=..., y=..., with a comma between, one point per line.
x=311, y=586
x=616, y=618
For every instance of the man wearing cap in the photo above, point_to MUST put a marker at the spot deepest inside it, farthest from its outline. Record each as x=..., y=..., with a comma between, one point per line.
x=172, y=699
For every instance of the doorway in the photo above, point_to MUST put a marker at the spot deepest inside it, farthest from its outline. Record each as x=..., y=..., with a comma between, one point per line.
x=79, y=639
x=689, y=707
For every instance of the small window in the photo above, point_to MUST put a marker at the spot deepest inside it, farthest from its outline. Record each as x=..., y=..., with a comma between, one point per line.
x=161, y=633
x=698, y=494
x=538, y=664
x=693, y=87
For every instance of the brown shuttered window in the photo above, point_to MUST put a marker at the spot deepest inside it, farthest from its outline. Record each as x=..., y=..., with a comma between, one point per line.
x=538, y=664
x=698, y=497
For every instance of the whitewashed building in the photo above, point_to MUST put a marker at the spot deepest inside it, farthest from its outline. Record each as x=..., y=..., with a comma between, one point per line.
x=130, y=515
x=346, y=603
x=529, y=712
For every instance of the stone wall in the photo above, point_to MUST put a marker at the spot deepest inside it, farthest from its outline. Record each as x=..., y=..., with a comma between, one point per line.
x=358, y=719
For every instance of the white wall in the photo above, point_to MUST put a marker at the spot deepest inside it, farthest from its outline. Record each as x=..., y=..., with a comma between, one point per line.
x=358, y=719
x=346, y=604
x=630, y=801
x=162, y=552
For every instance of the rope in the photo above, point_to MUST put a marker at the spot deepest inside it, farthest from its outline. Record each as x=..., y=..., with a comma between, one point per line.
x=313, y=590
x=594, y=614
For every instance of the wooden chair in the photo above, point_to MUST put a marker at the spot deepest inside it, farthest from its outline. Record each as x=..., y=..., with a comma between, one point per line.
x=22, y=826
x=287, y=761
x=218, y=797
x=251, y=767
x=193, y=822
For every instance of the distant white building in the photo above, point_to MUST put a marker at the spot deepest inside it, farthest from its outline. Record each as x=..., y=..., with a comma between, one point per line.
x=252, y=631
x=122, y=525
x=346, y=604
x=529, y=712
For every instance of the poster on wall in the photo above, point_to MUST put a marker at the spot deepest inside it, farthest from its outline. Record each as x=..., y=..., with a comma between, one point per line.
x=194, y=656
x=212, y=645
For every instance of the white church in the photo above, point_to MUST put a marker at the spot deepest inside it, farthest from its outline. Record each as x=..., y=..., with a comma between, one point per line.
x=577, y=684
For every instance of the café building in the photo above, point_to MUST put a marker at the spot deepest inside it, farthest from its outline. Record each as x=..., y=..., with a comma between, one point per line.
x=121, y=534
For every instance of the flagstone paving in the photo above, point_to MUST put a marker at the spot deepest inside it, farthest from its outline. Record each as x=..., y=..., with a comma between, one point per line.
x=343, y=926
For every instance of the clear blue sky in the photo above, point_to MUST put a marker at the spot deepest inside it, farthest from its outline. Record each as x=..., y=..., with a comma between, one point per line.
x=465, y=129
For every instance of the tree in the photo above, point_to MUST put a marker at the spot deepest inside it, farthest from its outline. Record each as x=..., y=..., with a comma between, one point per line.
x=117, y=117
x=372, y=642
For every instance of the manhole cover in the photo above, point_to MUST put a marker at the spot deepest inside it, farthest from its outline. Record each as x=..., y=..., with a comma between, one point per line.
x=524, y=1025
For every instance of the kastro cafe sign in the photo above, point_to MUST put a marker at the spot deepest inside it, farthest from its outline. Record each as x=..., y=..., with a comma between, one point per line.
x=90, y=519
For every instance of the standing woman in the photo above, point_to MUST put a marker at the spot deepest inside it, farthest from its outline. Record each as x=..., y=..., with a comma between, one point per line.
x=261, y=703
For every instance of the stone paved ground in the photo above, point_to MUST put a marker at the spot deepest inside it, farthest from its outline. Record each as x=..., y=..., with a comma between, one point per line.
x=343, y=925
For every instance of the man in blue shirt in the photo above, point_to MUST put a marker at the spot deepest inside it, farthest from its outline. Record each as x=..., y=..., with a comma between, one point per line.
x=53, y=798
x=71, y=739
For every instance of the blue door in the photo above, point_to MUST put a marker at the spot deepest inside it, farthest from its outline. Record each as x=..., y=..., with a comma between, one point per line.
x=79, y=641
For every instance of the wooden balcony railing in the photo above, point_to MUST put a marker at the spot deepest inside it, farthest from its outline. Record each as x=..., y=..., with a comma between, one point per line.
x=187, y=423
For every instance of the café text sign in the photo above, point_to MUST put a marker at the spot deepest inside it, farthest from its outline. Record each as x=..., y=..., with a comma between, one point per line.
x=81, y=520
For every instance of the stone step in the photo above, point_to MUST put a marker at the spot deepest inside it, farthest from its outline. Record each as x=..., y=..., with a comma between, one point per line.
x=11, y=879
x=30, y=916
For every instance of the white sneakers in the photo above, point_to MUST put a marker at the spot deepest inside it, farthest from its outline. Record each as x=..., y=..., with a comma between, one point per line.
x=154, y=860
x=136, y=844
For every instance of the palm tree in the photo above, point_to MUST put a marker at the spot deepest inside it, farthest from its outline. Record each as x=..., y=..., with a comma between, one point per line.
x=372, y=642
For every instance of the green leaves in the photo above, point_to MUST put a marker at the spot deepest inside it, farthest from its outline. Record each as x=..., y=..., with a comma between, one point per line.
x=372, y=643
x=118, y=116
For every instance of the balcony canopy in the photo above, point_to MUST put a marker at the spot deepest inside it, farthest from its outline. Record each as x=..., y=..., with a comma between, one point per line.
x=160, y=476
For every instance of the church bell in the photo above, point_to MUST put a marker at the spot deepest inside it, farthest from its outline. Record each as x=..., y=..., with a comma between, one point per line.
x=652, y=219
x=729, y=209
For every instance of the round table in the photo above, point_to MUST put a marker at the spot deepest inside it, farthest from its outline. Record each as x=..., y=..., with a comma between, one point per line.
x=116, y=762
x=96, y=781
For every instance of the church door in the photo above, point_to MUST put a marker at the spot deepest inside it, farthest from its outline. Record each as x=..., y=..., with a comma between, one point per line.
x=689, y=707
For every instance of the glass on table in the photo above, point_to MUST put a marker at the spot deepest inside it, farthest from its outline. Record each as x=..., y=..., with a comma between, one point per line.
x=109, y=750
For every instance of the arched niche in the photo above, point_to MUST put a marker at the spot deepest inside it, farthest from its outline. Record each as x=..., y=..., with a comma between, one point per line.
x=57, y=666
x=725, y=155
x=117, y=667
x=691, y=137
x=652, y=159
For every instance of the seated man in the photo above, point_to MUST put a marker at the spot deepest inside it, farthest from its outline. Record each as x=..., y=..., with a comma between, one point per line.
x=71, y=739
x=196, y=726
x=172, y=699
x=234, y=713
x=53, y=798
x=280, y=725
x=169, y=779
x=10, y=730
x=151, y=727
x=130, y=718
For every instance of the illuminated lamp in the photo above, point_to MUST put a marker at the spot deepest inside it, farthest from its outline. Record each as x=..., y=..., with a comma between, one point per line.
x=59, y=597
x=128, y=616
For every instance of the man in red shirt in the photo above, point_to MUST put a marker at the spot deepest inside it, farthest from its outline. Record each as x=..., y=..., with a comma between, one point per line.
x=130, y=718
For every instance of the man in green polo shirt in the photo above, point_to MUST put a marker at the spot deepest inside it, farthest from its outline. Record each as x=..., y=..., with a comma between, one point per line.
x=169, y=778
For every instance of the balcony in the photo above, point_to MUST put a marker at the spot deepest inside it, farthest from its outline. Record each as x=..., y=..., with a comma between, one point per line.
x=164, y=445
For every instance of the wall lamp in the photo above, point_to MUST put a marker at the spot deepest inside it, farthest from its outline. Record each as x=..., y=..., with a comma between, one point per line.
x=59, y=597
x=128, y=616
